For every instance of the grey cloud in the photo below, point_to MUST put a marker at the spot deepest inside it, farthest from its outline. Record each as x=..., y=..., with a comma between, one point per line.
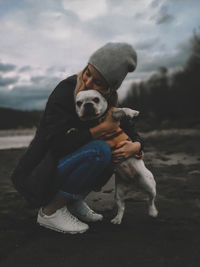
x=29, y=97
x=38, y=79
x=44, y=81
x=25, y=68
x=51, y=69
x=10, y=7
x=54, y=69
x=164, y=17
x=155, y=3
x=107, y=27
x=35, y=6
x=167, y=60
x=70, y=16
x=139, y=16
x=171, y=61
x=7, y=67
x=103, y=27
x=185, y=47
x=183, y=1
x=35, y=12
x=147, y=44
x=24, y=97
x=112, y=3
x=7, y=6
x=23, y=101
x=30, y=92
x=8, y=81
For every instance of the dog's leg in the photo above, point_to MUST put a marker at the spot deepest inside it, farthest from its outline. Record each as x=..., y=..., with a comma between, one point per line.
x=147, y=182
x=119, y=198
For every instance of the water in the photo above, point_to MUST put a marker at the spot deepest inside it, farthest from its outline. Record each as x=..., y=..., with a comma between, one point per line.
x=16, y=141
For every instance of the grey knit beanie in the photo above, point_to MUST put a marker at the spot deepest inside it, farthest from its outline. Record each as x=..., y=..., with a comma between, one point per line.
x=114, y=61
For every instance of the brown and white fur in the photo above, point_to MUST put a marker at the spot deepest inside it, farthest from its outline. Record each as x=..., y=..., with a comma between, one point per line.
x=90, y=106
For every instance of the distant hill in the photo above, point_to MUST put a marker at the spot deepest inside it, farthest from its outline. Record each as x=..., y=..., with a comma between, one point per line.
x=12, y=118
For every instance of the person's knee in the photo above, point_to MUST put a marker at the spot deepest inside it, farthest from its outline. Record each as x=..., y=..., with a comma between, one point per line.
x=103, y=151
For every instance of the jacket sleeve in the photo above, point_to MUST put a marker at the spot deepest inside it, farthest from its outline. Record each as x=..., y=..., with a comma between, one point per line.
x=60, y=127
x=128, y=126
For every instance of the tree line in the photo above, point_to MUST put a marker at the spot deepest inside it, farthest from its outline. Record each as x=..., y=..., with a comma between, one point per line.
x=13, y=119
x=170, y=99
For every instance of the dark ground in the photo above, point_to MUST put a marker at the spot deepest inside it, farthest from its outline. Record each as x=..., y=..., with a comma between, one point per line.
x=173, y=239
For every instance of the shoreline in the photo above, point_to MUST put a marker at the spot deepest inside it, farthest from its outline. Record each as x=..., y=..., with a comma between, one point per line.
x=17, y=132
x=152, y=133
x=21, y=138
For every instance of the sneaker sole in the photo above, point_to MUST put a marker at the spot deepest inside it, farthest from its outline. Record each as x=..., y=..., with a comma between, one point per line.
x=62, y=231
x=85, y=218
x=88, y=220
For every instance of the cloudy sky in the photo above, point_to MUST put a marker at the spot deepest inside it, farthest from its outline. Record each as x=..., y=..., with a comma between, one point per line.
x=44, y=41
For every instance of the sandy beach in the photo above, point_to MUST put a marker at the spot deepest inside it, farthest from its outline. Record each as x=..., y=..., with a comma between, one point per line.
x=171, y=240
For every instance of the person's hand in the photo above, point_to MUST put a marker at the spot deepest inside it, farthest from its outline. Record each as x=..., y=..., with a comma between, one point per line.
x=125, y=149
x=107, y=126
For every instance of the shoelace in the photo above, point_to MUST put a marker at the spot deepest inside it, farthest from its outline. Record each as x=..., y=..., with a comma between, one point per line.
x=85, y=209
x=70, y=217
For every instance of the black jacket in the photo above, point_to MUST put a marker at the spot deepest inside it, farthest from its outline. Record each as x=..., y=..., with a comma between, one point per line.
x=35, y=175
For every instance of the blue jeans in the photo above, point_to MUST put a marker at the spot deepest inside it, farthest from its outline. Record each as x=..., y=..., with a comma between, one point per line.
x=83, y=170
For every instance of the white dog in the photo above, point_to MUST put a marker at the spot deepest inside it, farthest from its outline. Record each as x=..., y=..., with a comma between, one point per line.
x=92, y=106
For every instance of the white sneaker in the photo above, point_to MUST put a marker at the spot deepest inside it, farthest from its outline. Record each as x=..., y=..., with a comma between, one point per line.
x=62, y=221
x=81, y=210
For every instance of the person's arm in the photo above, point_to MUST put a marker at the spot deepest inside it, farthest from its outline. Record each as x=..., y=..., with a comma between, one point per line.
x=108, y=125
x=127, y=149
x=129, y=127
x=68, y=140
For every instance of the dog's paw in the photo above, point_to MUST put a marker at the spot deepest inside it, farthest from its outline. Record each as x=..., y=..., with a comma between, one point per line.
x=116, y=220
x=119, y=113
x=153, y=212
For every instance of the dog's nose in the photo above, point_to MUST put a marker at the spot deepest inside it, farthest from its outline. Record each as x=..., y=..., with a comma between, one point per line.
x=88, y=108
x=88, y=105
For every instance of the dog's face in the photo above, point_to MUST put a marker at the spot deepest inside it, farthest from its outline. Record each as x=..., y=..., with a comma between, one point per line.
x=90, y=105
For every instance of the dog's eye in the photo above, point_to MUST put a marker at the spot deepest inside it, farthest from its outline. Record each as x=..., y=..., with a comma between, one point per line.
x=96, y=100
x=78, y=103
